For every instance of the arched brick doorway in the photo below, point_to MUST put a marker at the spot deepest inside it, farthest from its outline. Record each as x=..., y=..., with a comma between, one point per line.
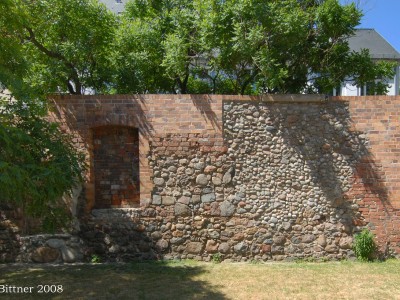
x=116, y=166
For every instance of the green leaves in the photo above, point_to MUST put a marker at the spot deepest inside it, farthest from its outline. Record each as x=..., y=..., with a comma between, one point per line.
x=182, y=46
x=374, y=74
x=364, y=245
x=57, y=46
x=251, y=47
x=38, y=164
x=167, y=42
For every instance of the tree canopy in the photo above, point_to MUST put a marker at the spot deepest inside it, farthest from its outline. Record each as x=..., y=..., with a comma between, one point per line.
x=39, y=54
x=56, y=45
x=243, y=47
x=181, y=46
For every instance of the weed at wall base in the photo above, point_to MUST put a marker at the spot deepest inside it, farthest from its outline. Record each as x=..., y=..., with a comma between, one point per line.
x=364, y=245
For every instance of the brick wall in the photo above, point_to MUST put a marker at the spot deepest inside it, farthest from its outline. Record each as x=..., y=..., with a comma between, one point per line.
x=152, y=115
x=377, y=177
x=196, y=126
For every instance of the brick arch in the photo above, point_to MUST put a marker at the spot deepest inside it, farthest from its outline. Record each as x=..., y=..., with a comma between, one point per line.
x=115, y=166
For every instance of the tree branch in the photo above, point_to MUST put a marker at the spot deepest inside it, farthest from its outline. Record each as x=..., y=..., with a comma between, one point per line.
x=58, y=56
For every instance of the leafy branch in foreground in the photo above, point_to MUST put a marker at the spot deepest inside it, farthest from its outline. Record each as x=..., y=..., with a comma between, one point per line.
x=38, y=163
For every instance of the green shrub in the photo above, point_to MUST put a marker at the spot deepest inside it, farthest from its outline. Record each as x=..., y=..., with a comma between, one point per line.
x=216, y=258
x=364, y=245
x=95, y=259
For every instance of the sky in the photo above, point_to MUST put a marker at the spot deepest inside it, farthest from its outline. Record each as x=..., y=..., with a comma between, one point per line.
x=383, y=16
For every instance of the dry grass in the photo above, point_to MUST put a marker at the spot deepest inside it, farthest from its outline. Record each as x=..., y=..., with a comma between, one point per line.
x=195, y=280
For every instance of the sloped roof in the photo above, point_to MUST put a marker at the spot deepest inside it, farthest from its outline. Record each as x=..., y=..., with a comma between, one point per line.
x=370, y=39
x=116, y=6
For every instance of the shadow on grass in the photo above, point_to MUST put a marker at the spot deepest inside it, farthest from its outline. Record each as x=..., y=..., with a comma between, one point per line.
x=139, y=280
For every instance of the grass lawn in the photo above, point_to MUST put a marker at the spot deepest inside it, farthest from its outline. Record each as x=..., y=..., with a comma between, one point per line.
x=196, y=280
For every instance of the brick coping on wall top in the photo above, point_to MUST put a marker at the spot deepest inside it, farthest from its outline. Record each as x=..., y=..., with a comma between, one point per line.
x=284, y=98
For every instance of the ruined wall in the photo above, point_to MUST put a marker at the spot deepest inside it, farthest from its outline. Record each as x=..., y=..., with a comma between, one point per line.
x=273, y=177
x=151, y=115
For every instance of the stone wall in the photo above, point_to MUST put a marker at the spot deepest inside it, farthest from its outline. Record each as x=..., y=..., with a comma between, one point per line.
x=41, y=248
x=272, y=177
x=9, y=238
x=51, y=248
x=151, y=115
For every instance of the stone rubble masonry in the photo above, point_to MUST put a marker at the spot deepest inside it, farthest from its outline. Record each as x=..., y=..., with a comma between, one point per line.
x=152, y=115
x=42, y=248
x=51, y=248
x=275, y=177
x=9, y=244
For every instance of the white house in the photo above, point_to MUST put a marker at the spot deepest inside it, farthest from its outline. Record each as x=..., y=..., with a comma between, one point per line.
x=379, y=49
